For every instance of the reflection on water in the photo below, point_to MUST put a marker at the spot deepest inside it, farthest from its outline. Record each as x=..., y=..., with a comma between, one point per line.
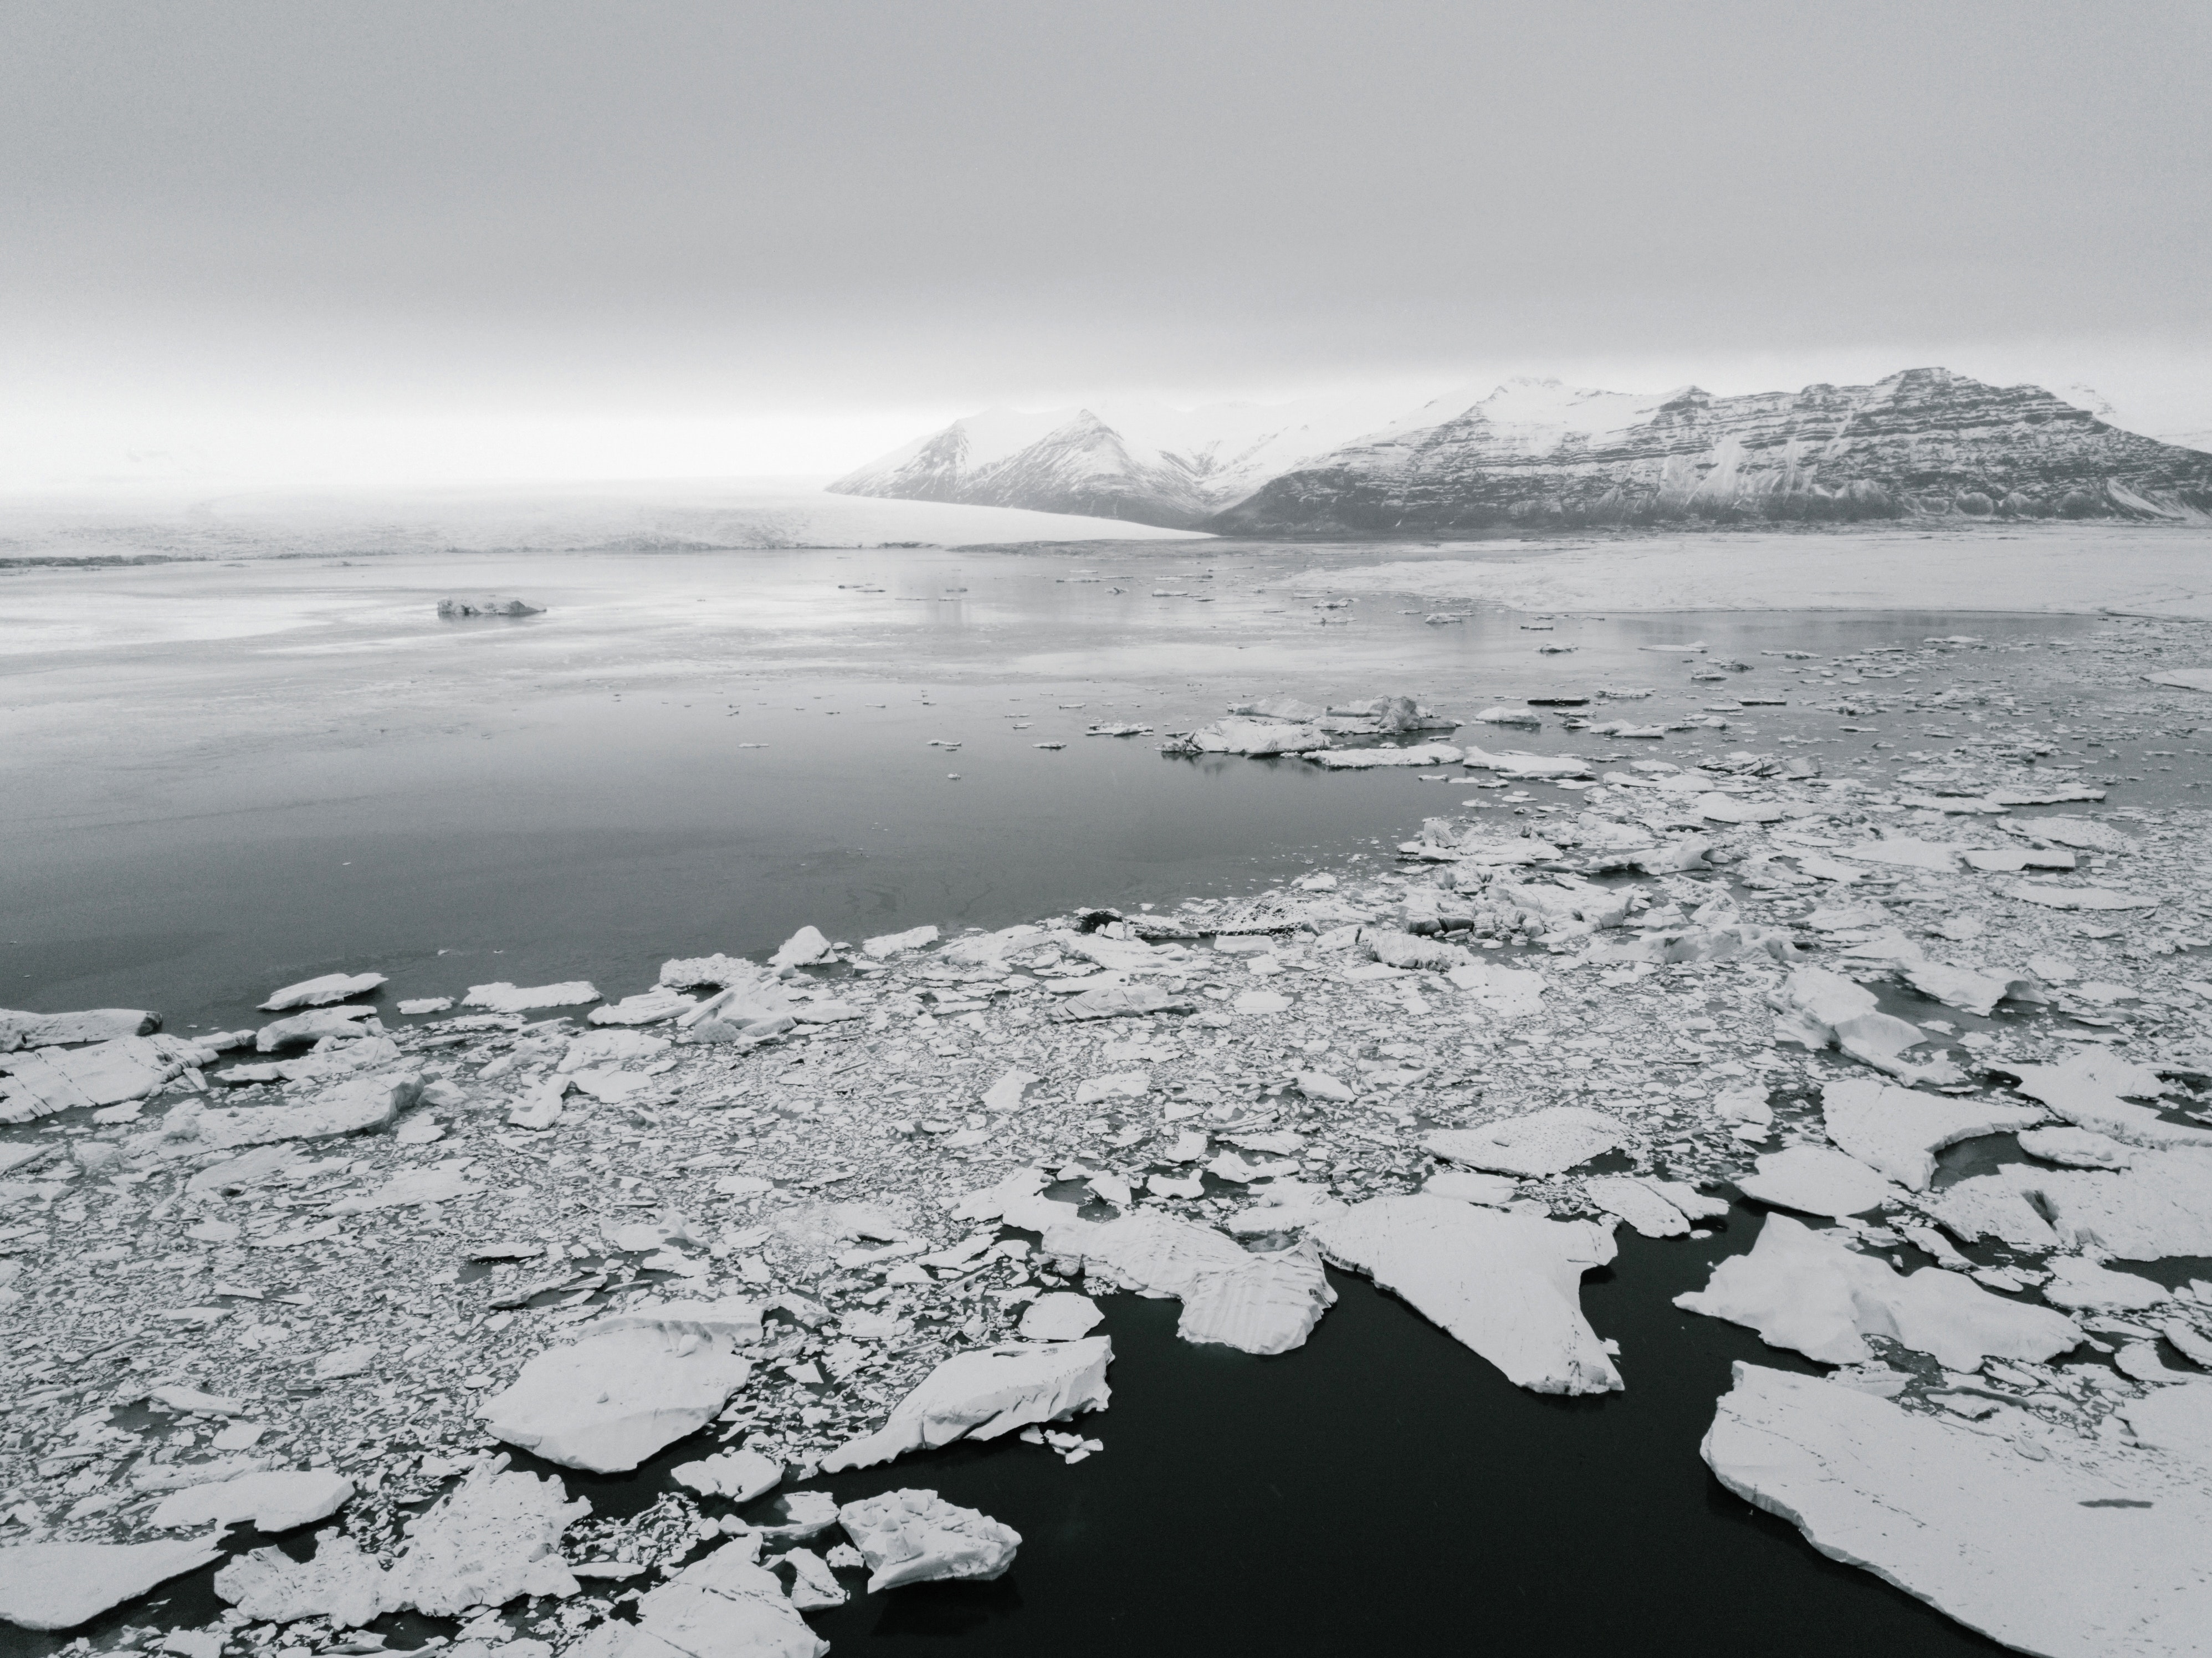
x=217, y=777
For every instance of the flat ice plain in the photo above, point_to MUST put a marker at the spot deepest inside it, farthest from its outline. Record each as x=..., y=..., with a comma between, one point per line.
x=884, y=1157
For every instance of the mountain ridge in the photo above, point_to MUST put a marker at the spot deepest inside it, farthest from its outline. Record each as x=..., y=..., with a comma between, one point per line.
x=1532, y=453
x=1922, y=442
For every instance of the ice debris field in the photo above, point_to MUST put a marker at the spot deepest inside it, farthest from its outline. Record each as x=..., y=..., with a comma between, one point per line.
x=838, y=1209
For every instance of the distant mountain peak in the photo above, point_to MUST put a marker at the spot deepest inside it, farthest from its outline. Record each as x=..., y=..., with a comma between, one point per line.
x=1925, y=440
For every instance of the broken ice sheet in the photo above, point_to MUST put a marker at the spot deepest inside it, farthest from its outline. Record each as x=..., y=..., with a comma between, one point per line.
x=2091, y=1548
x=1806, y=1290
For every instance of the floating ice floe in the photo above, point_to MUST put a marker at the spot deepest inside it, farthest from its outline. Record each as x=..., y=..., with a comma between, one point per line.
x=357, y=1107
x=2090, y=1551
x=503, y=998
x=2082, y=1283
x=340, y=1583
x=1232, y=1296
x=315, y=993
x=608, y=1403
x=1636, y=1202
x=2086, y=1091
x=20, y=1030
x=986, y=1393
x=725, y=1605
x=1284, y=1205
x=808, y=947
x=2084, y=897
x=1258, y=739
x=1817, y=1181
x=1524, y=765
x=1466, y=1187
x=2076, y=1148
x=493, y=1537
x=1821, y=1009
x=456, y=608
x=2178, y=1420
x=1537, y=1143
x=887, y=945
x=273, y=1502
x=58, y=1586
x=738, y=1476
x=917, y=1537
x=313, y=1026
x=1060, y=1316
x=1805, y=1289
x=2159, y=1207
x=1507, y=1286
x=1420, y=754
x=1898, y=1131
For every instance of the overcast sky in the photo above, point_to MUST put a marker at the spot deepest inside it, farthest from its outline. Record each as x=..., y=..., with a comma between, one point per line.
x=314, y=241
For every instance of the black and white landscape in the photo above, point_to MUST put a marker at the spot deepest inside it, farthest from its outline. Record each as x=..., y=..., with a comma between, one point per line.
x=1536, y=454
x=1239, y=1004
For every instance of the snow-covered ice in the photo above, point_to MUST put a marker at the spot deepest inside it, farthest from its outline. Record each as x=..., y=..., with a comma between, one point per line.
x=2093, y=1551
x=917, y=1537
x=986, y=1393
x=1804, y=1289
x=1507, y=1286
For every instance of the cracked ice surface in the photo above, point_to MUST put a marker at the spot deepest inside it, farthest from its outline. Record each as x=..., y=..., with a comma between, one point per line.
x=2090, y=1551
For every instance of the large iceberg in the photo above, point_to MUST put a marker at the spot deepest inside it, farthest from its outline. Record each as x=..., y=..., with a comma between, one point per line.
x=2091, y=1550
x=1507, y=1286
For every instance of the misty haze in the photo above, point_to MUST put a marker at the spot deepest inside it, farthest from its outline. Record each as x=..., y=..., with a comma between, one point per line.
x=1115, y=830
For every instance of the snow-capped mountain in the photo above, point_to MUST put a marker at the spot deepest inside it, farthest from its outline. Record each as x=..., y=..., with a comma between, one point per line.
x=1142, y=462
x=1924, y=441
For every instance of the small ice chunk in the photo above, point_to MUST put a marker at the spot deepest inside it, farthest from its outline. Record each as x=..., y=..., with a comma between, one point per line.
x=739, y=1476
x=318, y=993
x=917, y=1537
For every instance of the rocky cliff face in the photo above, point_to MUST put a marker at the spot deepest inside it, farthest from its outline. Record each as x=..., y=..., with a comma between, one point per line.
x=1926, y=441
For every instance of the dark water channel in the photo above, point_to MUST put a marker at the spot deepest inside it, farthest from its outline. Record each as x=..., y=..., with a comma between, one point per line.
x=1380, y=1490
